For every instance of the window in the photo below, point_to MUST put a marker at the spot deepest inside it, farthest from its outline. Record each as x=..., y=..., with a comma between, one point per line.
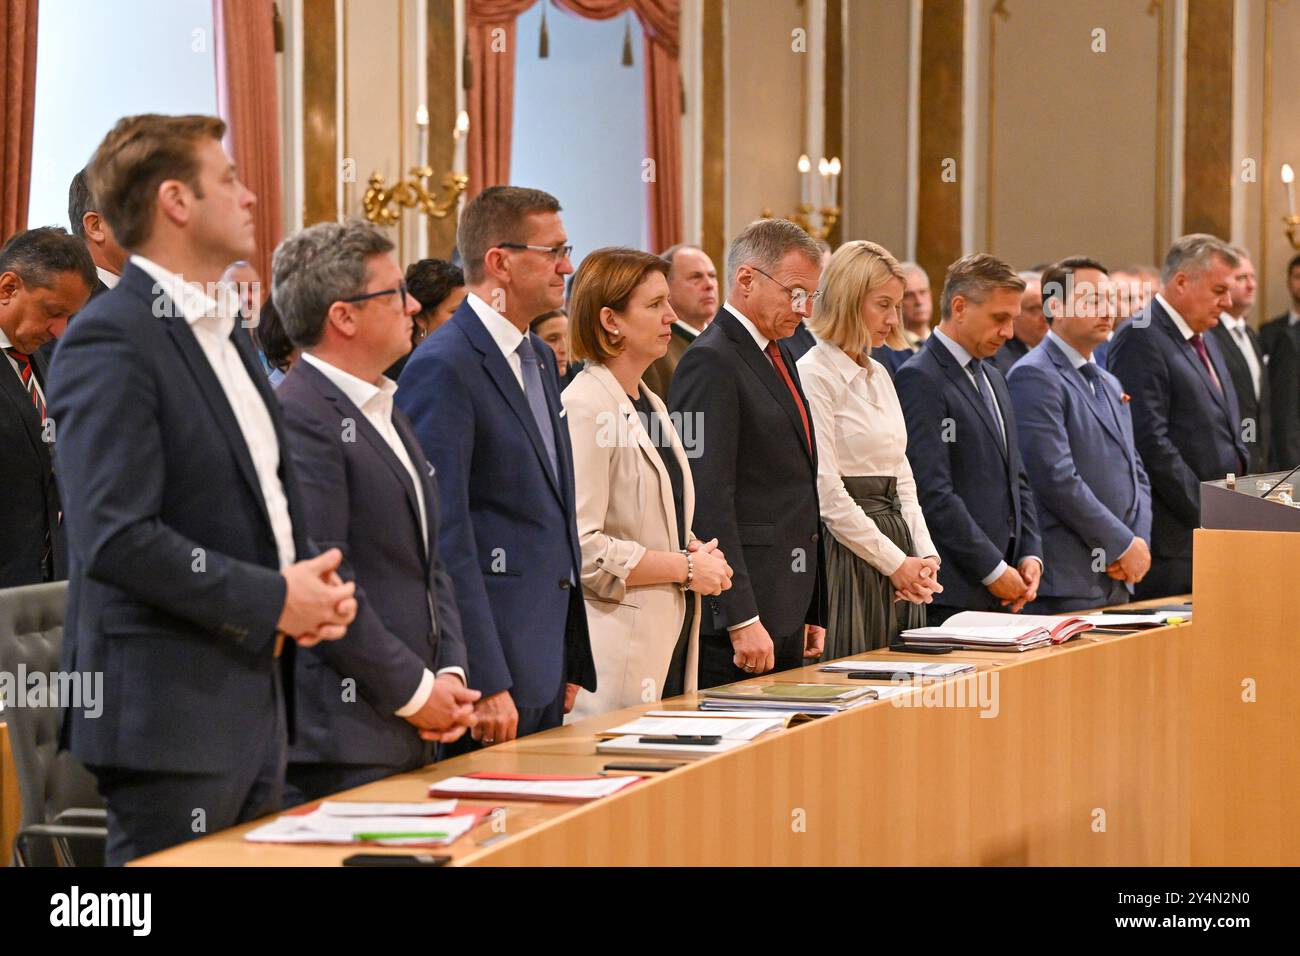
x=579, y=126
x=97, y=62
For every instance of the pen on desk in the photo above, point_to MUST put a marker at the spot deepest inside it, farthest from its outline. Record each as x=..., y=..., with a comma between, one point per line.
x=703, y=740
x=400, y=836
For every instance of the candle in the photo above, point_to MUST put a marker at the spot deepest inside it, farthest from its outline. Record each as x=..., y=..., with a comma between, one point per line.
x=422, y=136
x=1288, y=177
x=805, y=183
x=835, y=181
x=824, y=169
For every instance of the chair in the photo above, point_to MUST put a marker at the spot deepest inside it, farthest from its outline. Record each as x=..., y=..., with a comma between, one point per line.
x=63, y=820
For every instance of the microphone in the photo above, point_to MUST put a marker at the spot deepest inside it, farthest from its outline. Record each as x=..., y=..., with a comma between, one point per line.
x=1284, y=478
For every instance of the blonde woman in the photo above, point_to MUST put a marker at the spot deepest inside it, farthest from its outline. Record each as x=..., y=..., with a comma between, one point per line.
x=881, y=566
x=642, y=570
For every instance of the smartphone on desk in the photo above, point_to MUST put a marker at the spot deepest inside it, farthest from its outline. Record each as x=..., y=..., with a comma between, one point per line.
x=399, y=859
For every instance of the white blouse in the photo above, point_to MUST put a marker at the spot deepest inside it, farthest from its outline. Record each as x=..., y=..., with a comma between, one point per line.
x=860, y=431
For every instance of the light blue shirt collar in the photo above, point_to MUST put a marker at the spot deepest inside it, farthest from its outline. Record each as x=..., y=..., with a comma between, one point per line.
x=1077, y=361
x=960, y=354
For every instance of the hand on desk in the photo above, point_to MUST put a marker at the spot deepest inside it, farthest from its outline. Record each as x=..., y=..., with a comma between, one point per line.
x=448, y=712
x=753, y=646
x=496, y=719
x=814, y=640
x=318, y=605
x=1131, y=566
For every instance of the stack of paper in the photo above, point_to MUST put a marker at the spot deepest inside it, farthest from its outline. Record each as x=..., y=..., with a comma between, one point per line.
x=384, y=824
x=1136, y=620
x=530, y=786
x=885, y=669
x=653, y=747
x=816, y=699
x=732, y=728
x=993, y=631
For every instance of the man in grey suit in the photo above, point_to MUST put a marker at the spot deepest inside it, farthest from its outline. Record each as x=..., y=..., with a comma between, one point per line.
x=372, y=705
x=1076, y=435
x=1244, y=356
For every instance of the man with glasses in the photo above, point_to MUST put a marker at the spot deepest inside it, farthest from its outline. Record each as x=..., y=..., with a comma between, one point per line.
x=369, y=491
x=483, y=395
x=756, y=477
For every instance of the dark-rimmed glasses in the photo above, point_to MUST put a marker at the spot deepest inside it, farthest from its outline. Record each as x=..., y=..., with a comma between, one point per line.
x=555, y=252
x=400, y=290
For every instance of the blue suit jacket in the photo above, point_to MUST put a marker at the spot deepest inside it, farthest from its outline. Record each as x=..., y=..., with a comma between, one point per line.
x=1090, y=488
x=359, y=498
x=1184, y=426
x=175, y=587
x=975, y=497
x=508, y=534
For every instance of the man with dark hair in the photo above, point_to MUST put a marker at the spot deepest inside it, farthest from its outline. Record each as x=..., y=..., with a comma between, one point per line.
x=693, y=294
x=1076, y=434
x=93, y=229
x=188, y=557
x=1030, y=326
x=368, y=490
x=963, y=445
x=1244, y=357
x=45, y=276
x=483, y=396
x=1280, y=340
x=756, y=476
x=1185, y=418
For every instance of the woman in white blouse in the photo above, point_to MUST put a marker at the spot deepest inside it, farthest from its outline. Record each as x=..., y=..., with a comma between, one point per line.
x=881, y=566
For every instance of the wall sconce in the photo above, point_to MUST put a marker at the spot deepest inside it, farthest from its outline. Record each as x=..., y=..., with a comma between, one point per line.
x=383, y=204
x=1291, y=219
x=816, y=215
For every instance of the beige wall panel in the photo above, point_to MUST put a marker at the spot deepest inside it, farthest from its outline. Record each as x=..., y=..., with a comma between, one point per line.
x=1073, y=157
x=875, y=112
x=1283, y=135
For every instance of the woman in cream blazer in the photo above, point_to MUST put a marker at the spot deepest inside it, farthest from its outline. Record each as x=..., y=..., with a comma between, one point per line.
x=642, y=570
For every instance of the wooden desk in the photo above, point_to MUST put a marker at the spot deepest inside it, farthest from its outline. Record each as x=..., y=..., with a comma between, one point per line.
x=1082, y=764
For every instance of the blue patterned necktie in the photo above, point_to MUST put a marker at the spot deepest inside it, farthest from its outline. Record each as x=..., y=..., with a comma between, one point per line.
x=536, y=396
x=986, y=393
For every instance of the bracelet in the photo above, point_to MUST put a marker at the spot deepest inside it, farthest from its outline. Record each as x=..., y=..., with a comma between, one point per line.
x=690, y=571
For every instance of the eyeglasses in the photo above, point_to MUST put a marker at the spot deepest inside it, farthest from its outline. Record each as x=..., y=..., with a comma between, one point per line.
x=555, y=252
x=400, y=290
x=797, y=294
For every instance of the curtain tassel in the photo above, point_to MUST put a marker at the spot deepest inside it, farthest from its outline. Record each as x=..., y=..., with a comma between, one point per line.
x=627, y=41
x=544, y=40
x=467, y=67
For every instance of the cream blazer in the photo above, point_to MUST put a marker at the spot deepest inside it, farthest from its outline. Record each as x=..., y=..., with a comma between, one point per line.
x=625, y=507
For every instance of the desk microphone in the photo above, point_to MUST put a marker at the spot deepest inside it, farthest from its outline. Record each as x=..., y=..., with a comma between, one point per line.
x=1284, y=478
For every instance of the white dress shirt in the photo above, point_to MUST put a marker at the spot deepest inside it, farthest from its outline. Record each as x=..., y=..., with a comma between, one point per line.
x=963, y=359
x=1075, y=358
x=1237, y=332
x=13, y=363
x=109, y=279
x=860, y=431
x=212, y=323
x=503, y=333
x=376, y=403
x=1186, y=331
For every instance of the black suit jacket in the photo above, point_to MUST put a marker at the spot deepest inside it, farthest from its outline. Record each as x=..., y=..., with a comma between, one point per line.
x=975, y=495
x=1281, y=343
x=29, y=502
x=1185, y=428
x=755, y=480
x=1251, y=409
x=358, y=497
x=175, y=586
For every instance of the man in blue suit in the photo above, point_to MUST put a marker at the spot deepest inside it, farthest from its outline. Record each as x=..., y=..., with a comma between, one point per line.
x=1076, y=435
x=483, y=395
x=963, y=445
x=1185, y=415
x=188, y=553
x=364, y=704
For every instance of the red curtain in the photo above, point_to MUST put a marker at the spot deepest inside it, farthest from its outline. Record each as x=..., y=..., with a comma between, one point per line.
x=491, y=97
x=247, y=99
x=17, y=111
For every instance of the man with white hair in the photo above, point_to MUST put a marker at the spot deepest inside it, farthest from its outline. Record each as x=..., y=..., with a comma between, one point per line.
x=918, y=305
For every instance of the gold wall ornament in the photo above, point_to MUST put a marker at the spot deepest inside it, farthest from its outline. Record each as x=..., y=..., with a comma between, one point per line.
x=383, y=204
x=1292, y=218
x=819, y=206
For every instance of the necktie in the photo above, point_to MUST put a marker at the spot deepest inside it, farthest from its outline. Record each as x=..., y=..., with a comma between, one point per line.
x=986, y=393
x=1198, y=343
x=1100, y=400
x=27, y=374
x=537, y=401
x=774, y=353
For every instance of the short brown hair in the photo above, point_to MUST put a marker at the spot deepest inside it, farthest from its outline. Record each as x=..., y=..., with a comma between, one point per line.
x=606, y=278
x=1059, y=276
x=494, y=216
x=137, y=156
x=973, y=277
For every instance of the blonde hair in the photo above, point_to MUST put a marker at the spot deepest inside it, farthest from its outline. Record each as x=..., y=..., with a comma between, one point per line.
x=856, y=269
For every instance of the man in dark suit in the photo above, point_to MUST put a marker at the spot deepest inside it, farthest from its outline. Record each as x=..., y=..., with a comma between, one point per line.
x=693, y=294
x=89, y=225
x=1185, y=414
x=188, y=558
x=45, y=276
x=1241, y=350
x=1076, y=434
x=1280, y=340
x=1030, y=325
x=963, y=445
x=482, y=393
x=756, y=477
x=364, y=704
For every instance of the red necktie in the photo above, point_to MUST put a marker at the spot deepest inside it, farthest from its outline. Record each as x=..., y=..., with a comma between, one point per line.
x=28, y=376
x=1199, y=344
x=774, y=353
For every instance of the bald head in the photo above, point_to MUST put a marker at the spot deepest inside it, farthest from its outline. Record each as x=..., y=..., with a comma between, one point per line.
x=692, y=285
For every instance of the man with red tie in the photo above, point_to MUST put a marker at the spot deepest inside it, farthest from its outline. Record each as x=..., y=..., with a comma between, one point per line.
x=756, y=474
x=45, y=276
x=1185, y=417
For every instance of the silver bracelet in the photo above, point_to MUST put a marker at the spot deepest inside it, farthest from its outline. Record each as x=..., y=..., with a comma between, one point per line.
x=690, y=571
